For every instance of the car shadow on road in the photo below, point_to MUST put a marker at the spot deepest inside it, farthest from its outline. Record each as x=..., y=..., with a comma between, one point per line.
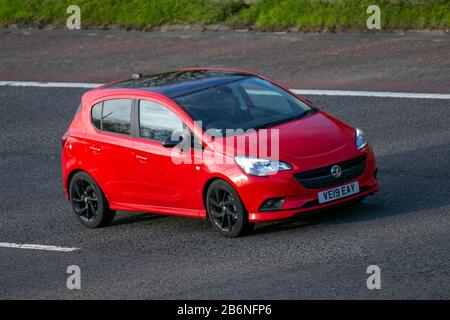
x=132, y=218
x=410, y=181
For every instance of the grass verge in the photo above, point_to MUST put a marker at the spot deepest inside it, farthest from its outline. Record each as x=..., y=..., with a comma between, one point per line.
x=265, y=15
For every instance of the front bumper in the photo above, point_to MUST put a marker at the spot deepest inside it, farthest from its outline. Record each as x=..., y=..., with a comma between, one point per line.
x=285, y=214
x=299, y=199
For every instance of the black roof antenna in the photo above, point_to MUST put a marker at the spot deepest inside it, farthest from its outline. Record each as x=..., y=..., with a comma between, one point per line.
x=134, y=75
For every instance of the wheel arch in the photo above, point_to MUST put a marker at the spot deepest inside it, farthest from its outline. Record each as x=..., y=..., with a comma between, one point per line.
x=69, y=179
x=73, y=173
x=211, y=180
x=206, y=187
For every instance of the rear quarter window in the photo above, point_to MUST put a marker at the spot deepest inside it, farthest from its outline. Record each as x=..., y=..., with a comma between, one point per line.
x=97, y=115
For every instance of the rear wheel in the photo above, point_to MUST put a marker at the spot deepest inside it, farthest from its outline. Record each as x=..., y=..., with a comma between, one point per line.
x=226, y=211
x=88, y=202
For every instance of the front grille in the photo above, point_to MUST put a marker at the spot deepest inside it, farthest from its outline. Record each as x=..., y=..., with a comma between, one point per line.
x=322, y=178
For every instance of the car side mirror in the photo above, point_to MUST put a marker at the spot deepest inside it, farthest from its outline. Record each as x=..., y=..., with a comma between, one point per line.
x=169, y=143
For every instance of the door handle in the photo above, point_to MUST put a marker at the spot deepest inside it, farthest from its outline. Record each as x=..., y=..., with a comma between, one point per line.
x=141, y=158
x=95, y=149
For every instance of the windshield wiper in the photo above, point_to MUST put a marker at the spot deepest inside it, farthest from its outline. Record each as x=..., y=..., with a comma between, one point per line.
x=277, y=122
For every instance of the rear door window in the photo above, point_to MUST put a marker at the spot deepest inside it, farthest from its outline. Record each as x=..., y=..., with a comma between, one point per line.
x=113, y=116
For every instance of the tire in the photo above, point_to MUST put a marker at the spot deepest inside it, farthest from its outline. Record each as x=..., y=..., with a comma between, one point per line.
x=89, y=202
x=226, y=210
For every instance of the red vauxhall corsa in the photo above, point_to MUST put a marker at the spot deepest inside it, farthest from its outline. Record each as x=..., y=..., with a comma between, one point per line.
x=182, y=143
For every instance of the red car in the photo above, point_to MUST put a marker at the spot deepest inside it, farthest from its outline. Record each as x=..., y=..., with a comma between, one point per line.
x=183, y=142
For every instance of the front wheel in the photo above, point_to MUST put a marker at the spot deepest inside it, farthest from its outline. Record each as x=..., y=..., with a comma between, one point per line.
x=226, y=211
x=88, y=201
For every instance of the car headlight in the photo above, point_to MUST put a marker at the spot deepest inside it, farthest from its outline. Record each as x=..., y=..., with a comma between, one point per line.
x=261, y=167
x=360, y=139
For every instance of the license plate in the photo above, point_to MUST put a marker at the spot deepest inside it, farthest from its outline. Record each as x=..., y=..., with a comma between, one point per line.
x=339, y=192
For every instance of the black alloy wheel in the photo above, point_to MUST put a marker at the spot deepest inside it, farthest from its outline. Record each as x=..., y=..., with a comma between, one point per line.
x=226, y=211
x=89, y=202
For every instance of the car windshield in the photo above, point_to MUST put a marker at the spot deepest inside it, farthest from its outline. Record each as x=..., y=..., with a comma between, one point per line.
x=242, y=104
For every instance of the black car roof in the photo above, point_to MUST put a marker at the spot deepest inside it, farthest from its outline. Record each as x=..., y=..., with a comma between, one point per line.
x=177, y=83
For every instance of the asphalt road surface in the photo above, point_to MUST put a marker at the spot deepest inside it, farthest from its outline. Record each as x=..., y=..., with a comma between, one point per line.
x=409, y=62
x=404, y=229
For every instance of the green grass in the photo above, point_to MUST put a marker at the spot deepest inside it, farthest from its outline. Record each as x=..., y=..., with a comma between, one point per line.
x=306, y=15
x=137, y=13
x=312, y=15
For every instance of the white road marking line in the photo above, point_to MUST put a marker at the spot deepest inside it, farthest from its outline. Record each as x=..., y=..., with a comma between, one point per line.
x=347, y=93
x=36, y=247
x=48, y=84
x=444, y=96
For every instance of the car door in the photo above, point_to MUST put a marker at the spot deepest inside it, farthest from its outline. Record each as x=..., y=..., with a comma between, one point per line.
x=109, y=148
x=164, y=178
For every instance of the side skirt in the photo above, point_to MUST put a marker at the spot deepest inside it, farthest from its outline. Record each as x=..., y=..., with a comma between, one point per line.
x=195, y=213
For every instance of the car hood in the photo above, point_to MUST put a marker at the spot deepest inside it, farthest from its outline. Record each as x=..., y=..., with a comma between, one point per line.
x=311, y=136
